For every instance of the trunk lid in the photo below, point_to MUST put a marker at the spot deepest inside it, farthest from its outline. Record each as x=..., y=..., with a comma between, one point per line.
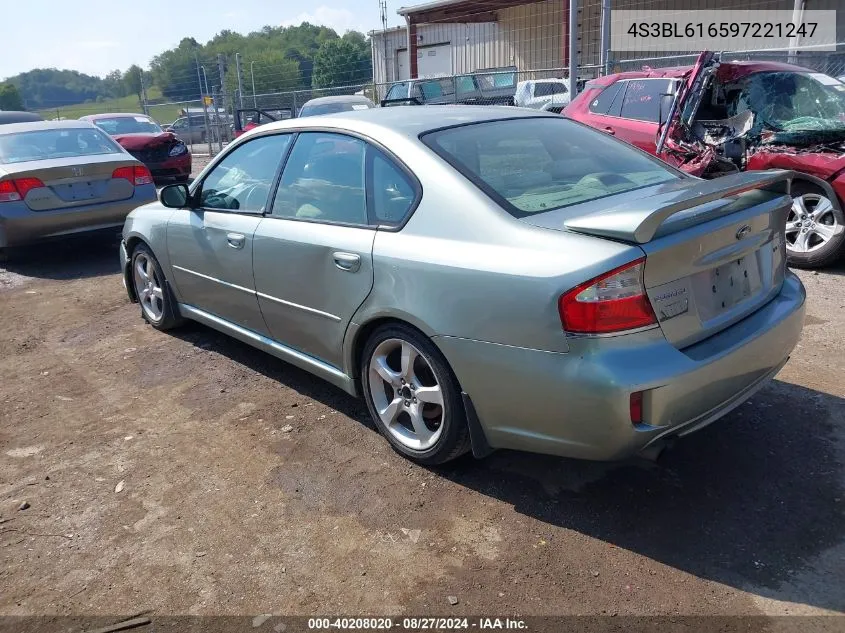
x=714, y=248
x=69, y=183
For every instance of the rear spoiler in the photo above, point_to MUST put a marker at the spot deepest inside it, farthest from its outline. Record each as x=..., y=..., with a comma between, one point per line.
x=639, y=220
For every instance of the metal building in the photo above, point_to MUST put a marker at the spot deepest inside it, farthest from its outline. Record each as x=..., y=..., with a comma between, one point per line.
x=446, y=37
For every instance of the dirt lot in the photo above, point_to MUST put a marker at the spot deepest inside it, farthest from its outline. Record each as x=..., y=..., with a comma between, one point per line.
x=159, y=476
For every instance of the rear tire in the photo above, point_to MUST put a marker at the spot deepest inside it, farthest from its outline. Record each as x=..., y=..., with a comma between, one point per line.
x=815, y=228
x=413, y=396
x=4, y=255
x=158, y=305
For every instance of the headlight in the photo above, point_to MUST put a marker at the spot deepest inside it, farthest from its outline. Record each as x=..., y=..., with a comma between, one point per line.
x=178, y=149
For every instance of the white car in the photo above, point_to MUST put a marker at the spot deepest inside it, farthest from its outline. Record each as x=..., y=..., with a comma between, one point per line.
x=542, y=94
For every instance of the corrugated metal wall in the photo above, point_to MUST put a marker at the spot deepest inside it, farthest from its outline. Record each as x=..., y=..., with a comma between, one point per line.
x=532, y=33
x=473, y=46
x=531, y=36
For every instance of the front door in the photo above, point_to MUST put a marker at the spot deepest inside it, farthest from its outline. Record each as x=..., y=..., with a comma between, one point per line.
x=211, y=246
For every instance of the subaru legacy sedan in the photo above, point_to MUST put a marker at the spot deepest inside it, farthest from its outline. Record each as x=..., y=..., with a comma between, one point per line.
x=484, y=277
x=64, y=177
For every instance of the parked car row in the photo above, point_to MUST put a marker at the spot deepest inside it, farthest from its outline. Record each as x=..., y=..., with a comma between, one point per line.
x=716, y=118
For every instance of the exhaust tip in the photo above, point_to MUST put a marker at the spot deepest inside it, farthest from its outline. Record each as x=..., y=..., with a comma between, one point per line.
x=656, y=449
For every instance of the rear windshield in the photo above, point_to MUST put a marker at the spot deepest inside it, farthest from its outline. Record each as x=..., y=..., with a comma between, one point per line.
x=331, y=108
x=128, y=125
x=63, y=143
x=534, y=165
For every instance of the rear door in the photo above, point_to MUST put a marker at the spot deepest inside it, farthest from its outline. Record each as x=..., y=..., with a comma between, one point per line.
x=313, y=252
x=211, y=247
x=639, y=112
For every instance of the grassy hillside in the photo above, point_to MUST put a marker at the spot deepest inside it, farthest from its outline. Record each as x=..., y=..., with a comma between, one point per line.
x=161, y=113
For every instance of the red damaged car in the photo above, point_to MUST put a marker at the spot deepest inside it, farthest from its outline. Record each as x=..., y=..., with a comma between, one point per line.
x=165, y=155
x=726, y=117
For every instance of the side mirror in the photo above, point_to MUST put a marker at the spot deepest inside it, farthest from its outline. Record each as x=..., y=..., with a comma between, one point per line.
x=175, y=196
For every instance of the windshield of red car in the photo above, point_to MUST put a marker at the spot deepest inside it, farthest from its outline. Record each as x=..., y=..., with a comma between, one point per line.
x=128, y=125
x=791, y=101
x=533, y=165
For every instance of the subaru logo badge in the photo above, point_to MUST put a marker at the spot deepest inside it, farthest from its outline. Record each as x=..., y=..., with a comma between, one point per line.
x=743, y=231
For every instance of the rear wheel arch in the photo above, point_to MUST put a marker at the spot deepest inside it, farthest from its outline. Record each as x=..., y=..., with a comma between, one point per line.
x=365, y=330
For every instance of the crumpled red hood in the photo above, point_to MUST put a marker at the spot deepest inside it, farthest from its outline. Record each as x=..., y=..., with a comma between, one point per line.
x=144, y=141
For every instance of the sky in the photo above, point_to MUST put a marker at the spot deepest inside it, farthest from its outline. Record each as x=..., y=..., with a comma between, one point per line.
x=98, y=36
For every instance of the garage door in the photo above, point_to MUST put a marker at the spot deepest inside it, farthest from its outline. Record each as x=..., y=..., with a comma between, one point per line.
x=432, y=61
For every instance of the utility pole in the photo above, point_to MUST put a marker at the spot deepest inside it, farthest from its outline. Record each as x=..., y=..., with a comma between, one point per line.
x=204, y=105
x=573, y=47
x=199, y=76
x=240, y=86
x=143, y=92
x=252, y=73
x=383, y=7
x=221, y=66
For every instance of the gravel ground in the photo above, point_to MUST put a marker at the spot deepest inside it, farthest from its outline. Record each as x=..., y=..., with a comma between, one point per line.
x=159, y=474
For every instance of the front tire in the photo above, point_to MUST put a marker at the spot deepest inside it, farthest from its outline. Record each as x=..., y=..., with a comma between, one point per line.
x=158, y=306
x=413, y=396
x=815, y=228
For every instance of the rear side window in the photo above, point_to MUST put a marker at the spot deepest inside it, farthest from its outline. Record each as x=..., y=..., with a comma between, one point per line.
x=602, y=103
x=533, y=165
x=393, y=194
x=642, y=99
x=547, y=89
x=398, y=91
x=58, y=143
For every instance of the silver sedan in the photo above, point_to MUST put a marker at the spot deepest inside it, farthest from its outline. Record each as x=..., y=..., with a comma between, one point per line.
x=484, y=277
x=64, y=177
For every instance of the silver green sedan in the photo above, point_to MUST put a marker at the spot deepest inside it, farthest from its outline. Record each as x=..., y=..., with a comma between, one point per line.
x=63, y=177
x=483, y=277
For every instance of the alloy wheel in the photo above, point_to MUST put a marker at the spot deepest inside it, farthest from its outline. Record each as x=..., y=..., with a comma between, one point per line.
x=148, y=287
x=406, y=393
x=811, y=223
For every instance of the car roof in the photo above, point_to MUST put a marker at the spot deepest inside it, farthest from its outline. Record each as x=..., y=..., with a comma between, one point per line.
x=18, y=116
x=338, y=99
x=731, y=69
x=112, y=115
x=410, y=121
x=35, y=126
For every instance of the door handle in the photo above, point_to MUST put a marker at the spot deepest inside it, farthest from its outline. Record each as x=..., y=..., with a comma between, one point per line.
x=610, y=130
x=350, y=262
x=235, y=240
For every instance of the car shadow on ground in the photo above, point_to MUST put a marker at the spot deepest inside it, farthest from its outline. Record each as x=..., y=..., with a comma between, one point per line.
x=75, y=257
x=753, y=501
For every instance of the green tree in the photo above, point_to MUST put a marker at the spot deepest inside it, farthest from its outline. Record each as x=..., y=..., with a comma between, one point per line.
x=132, y=81
x=342, y=62
x=10, y=98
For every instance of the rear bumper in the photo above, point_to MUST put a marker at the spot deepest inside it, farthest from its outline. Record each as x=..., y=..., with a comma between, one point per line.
x=577, y=404
x=19, y=225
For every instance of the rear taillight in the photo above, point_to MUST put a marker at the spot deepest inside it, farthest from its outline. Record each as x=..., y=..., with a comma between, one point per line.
x=613, y=302
x=16, y=189
x=137, y=175
x=637, y=407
